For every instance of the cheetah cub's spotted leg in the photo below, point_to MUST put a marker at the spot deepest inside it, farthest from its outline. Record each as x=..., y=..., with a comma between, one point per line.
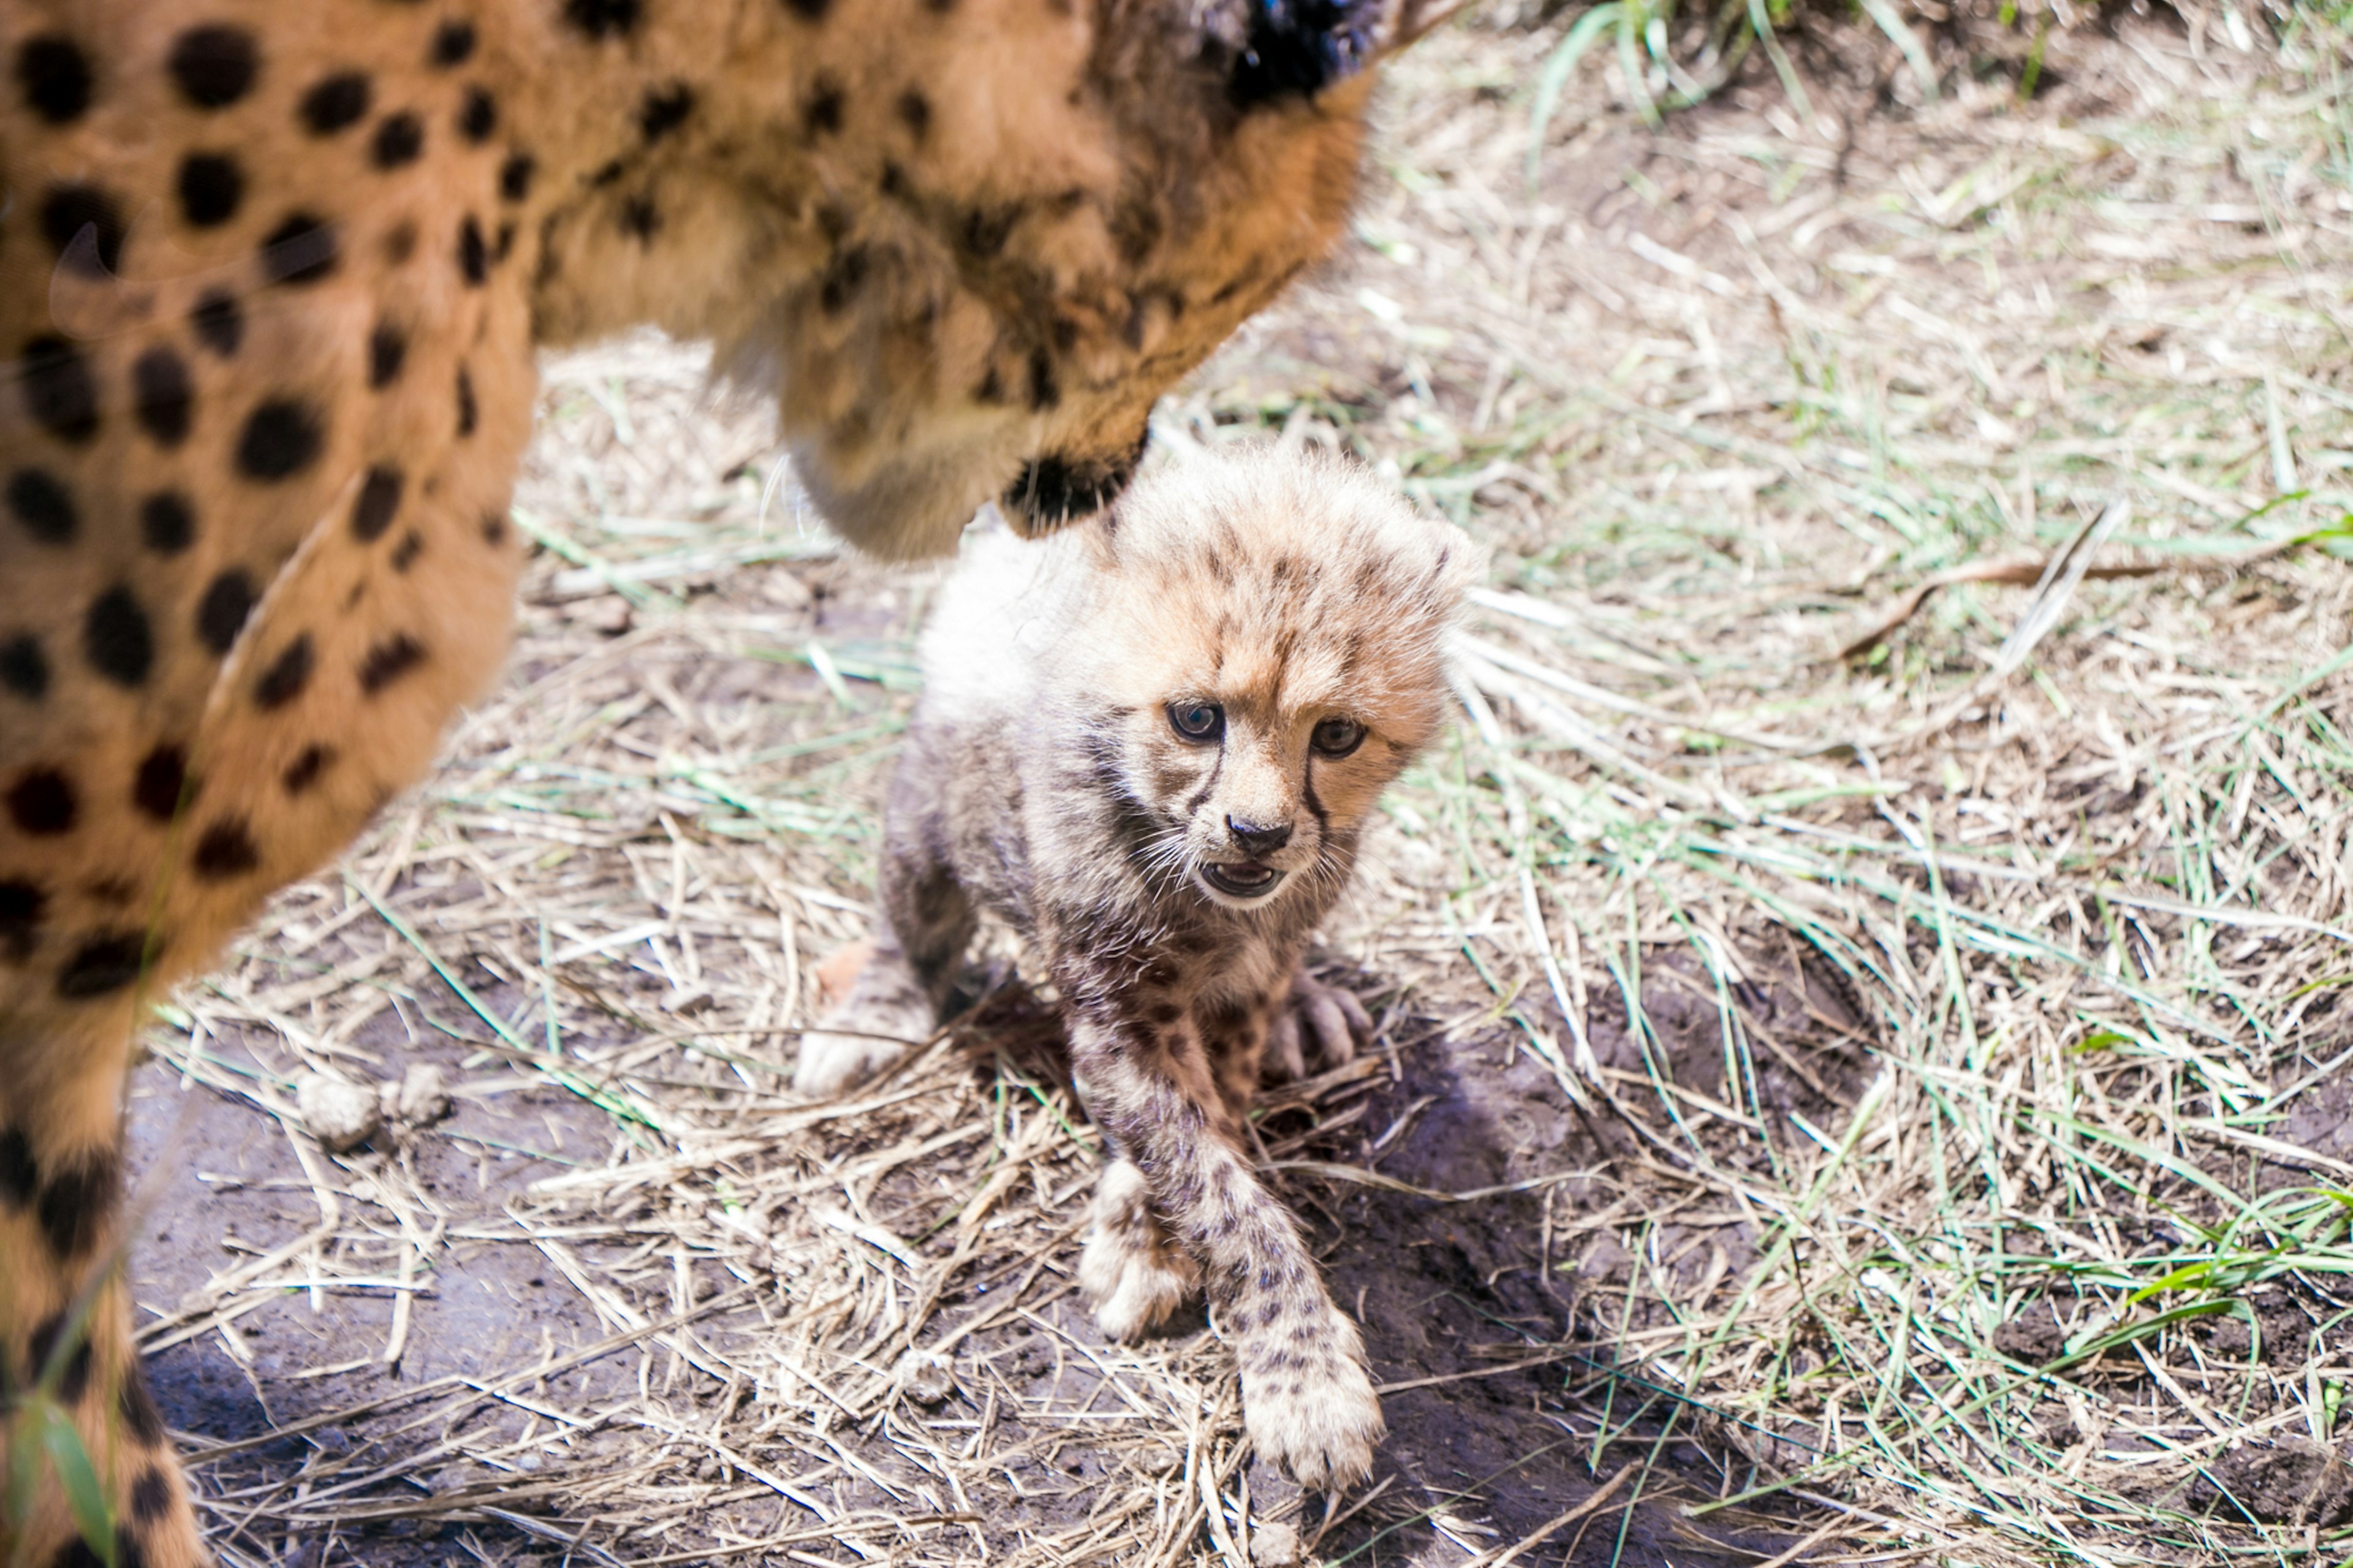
x=1155, y=1089
x=1133, y=1271
x=897, y=997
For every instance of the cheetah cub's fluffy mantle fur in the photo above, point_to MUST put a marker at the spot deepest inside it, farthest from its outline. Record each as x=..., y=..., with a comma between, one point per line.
x=1163, y=792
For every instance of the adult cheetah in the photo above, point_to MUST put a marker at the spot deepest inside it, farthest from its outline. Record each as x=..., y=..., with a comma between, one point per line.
x=271, y=281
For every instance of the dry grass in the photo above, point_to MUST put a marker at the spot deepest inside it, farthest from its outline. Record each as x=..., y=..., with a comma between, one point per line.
x=2039, y=408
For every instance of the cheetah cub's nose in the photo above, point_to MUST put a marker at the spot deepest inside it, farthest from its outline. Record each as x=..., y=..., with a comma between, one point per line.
x=1251, y=838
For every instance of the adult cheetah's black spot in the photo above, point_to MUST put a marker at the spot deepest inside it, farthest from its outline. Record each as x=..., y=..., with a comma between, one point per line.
x=495, y=530
x=43, y=505
x=504, y=243
x=73, y=1375
x=42, y=802
x=24, y=667
x=388, y=660
x=991, y=389
x=664, y=110
x=302, y=250
x=77, y=1200
x=221, y=614
x=843, y=276
x=225, y=850
x=609, y=175
x=335, y=103
x=915, y=110
x=466, y=411
x=287, y=676
x=379, y=498
x=453, y=44
x=477, y=116
x=212, y=187
x=473, y=255
x=215, y=66
x=821, y=115
x=60, y=393
x=161, y=782
x=281, y=439
x=138, y=1405
x=1045, y=391
x=400, y=244
x=640, y=217
x=163, y=400
x=117, y=639
x=167, y=523
x=20, y=1177
x=218, y=322
x=399, y=138
x=514, y=176
x=304, y=769
x=54, y=76
x=894, y=182
x=808, y=10
x=20, y=922
x=388, y=347
x=602, y=18
x=150, y=1496
x=405, y=554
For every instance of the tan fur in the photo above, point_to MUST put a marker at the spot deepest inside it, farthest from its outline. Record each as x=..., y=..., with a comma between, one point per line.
x=1292, y=597
x=272, y=278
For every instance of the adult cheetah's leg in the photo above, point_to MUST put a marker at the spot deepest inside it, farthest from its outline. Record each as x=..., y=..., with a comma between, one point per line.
x=1153, y=1088
x=928, y=921
x=65, y=1321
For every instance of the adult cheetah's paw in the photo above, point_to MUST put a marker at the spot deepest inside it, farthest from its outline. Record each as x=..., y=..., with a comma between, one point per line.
x=1318, y=1025
x=1132, y=1270
x=1320, y=1421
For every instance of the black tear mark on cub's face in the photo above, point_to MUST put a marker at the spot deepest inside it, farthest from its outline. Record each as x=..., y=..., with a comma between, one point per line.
x=1296, y=48
x=1056, y=490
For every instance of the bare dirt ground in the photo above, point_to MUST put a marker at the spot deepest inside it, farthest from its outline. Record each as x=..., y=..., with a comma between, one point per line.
x=1858, y=1072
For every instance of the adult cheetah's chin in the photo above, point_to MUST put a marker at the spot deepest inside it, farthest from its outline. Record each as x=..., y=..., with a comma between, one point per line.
x=913, y=510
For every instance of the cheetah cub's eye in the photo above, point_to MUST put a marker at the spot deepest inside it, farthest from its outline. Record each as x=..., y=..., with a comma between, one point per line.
x=1337, y=737
x=1201, y=722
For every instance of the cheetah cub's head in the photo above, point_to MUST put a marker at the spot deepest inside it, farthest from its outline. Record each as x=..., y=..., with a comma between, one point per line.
x=1268, y=637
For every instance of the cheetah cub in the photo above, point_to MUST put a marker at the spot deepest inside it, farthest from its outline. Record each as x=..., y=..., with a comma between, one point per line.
x=1151, y=745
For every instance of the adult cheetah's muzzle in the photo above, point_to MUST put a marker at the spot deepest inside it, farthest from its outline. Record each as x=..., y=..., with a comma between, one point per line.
x=1054, y=491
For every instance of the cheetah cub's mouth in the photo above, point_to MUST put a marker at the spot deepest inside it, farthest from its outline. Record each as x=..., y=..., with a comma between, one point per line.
x=1244, y=882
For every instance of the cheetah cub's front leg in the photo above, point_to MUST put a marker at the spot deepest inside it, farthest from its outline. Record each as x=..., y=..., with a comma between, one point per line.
x=1134, y=1271
x=1182, y=1203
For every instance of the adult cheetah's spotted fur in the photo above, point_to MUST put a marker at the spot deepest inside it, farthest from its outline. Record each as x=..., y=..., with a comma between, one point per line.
x=271, y=279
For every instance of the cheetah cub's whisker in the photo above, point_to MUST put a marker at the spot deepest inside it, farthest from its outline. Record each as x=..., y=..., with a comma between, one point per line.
x=1161, y=787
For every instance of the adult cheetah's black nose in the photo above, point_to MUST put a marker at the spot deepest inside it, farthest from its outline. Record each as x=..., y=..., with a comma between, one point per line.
x=1254, y=840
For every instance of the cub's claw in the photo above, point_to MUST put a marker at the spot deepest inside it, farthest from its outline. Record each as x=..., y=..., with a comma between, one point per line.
x=1320, y=1423
x=1318, y=1025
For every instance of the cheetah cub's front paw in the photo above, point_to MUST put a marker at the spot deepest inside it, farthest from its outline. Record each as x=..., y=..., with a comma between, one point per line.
x=884, y=1015
x=1317, y=1416
x=1318, y=1027
x=1132, y=1270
